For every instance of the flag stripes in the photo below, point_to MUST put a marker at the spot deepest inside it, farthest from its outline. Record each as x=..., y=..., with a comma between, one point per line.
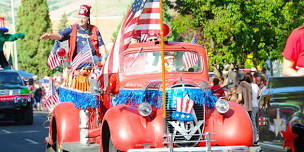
x=190, y=59
x=54, y=59
x=184, y=104
x=51, y=98
x=82, y=56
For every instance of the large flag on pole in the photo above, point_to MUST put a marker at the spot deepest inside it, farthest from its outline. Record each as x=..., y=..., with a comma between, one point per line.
x=54, y=59
x=142, y=18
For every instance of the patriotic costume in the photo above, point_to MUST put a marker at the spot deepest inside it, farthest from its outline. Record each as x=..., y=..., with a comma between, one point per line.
x=84, y=42
x=6, y=37
x=81, y=39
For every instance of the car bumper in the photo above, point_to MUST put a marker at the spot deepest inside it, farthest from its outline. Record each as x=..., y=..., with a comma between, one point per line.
x=196, y=149
x=10, y=105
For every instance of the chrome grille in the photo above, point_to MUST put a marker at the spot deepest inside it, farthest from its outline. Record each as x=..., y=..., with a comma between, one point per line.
x=193, y=141
x=9, y=92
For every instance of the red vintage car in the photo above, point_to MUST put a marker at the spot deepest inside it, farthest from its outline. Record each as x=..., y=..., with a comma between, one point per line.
x=125, y=113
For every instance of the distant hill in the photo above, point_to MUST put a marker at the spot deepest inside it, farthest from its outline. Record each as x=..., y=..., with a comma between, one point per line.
x=100, y=8
x=106, y=14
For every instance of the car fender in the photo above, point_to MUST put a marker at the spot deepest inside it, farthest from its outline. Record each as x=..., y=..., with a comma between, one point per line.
x=128, y=129
x=231, y=128
x=65, y=119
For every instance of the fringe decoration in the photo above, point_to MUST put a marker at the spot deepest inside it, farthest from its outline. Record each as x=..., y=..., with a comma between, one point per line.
x=81, y=100
x=154, y=97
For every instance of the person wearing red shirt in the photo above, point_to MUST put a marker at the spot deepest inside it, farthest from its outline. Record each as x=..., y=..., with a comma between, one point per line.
x=216, y=88
x=293, y=61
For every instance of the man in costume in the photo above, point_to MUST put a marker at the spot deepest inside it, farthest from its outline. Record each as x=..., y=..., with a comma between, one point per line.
x=6, y=37
x=81, y=35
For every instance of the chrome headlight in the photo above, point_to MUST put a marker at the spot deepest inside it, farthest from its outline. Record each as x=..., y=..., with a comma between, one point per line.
x=145, y=109
x=222, y=106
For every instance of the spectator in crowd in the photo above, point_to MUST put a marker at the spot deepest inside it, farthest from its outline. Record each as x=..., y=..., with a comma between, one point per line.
x=293, y=54
x=232, y=76
x=255, y=106
x=217, y=90
x=38, y=96
x=262, y=85
x=82, y=36
x=244, y=91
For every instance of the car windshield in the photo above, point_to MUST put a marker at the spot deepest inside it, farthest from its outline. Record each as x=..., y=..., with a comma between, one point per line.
x=10, y=78
x=150, y=62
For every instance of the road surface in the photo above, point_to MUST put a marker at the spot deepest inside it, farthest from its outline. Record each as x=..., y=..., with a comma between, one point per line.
x=27, y=138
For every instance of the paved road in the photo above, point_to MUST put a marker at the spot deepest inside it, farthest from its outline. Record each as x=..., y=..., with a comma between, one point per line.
x=16, y=138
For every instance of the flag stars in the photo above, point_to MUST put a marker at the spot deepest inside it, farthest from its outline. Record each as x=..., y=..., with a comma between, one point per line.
x=138, y=5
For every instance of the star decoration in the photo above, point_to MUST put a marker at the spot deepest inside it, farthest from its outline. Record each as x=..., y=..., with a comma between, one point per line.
x=279, y=123
x=289, y=137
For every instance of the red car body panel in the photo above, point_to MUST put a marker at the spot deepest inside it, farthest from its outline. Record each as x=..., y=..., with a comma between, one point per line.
x=67, y=122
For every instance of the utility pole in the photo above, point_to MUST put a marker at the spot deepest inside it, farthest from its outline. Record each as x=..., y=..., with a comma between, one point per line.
x=14, y=31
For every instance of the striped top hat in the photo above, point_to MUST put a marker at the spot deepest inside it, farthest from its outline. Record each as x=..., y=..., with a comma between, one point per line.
x=2, y=25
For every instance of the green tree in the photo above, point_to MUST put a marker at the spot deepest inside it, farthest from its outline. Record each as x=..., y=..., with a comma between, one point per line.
x=232, y=30
x=33, y=53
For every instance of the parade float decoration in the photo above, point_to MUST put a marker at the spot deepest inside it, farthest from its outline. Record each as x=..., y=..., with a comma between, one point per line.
x=121, y=106
x=4, y=37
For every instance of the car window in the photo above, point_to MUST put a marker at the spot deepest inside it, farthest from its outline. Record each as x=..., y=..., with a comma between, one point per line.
x=10, y=78
x=150, y=62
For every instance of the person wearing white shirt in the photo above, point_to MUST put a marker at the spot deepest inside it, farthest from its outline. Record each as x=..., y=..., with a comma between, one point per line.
x=255, y=109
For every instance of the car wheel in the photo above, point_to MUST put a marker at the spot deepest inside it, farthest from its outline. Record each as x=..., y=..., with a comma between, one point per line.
x=28, y=115
x=50, y=148
x=112, y=148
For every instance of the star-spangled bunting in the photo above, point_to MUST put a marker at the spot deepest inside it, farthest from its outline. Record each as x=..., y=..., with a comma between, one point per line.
x=289, y=138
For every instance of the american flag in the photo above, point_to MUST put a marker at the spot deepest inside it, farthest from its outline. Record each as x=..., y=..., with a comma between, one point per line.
x=54, y=59
x=184, y=104
x=84, y=54
x=190, y=58
x=2, y=22
x=142, y=18
x=51, y=99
